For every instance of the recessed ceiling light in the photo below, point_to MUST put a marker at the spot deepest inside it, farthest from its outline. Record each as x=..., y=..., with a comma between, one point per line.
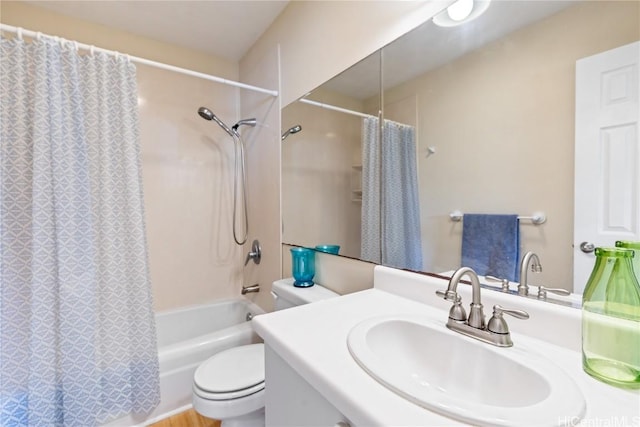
x=461, y=12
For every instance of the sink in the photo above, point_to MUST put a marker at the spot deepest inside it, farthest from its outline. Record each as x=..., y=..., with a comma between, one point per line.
x=462, y=378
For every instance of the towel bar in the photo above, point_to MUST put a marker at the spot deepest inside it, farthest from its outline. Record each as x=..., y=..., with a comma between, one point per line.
x=537, y=218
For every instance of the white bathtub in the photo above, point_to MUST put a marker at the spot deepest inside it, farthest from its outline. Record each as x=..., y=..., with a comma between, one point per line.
x=186, y=338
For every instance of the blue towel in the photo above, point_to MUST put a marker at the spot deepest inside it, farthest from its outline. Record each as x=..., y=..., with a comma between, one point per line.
x=491, y=245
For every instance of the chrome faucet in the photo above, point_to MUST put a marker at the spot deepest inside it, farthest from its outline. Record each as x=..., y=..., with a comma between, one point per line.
x=529, y=259
x=496, y=332
x=476, y=316
x=250, y=289
x=504, y=282
x=542, y=292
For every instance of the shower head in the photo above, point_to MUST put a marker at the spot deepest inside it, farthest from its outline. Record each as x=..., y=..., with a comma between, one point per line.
x=207, y=114
x=245, y=122
x=294, y=129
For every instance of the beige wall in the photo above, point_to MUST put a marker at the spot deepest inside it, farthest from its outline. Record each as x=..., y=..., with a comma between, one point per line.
x=340, y=274
x=320, y=173
x=21, y=14
x=319, y=39
x=311, y=46
x=186, y=161
x=493, y=157
x=263, y=174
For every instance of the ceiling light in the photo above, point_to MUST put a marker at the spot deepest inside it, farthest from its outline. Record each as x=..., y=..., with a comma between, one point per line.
x=460, y=9
x=460, y=12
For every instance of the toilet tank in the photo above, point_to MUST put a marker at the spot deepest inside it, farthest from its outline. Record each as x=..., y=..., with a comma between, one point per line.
x=286, y=295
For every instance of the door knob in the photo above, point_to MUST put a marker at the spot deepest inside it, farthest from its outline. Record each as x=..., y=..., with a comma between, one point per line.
x=587, y=247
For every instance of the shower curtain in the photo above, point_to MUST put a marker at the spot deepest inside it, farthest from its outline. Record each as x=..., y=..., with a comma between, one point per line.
x=390, y=204
x=77, y=333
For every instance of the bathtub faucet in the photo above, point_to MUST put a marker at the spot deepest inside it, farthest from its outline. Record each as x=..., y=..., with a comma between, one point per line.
x=251, y=288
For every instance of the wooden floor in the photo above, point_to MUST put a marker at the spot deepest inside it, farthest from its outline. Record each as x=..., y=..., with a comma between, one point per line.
x=189, y=418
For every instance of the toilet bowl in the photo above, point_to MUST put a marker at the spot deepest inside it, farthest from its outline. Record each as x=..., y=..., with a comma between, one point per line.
x=229, y=386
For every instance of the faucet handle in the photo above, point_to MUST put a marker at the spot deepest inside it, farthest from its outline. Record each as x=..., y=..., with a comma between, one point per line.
x=255, y=254
x=520, y=314
x=504, y=282
x=497, y=324
x=542, y=292
x=457, y=311
x=449, y=295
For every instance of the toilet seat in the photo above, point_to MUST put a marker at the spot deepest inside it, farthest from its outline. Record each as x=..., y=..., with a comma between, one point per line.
x=229, y=395
x=231, y=374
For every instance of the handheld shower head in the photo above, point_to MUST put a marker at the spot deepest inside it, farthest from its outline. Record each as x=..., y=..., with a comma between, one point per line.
x=245, y=122
x=239, y=163
x=207, y=114
x=294, y=129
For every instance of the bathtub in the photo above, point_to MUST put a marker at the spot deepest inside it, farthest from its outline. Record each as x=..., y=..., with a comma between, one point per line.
x=186, y=338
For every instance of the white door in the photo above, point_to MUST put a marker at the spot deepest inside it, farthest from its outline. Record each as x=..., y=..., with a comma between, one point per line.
x=607, y=155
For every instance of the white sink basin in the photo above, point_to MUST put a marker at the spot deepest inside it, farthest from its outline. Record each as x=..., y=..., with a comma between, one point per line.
x=463, y=378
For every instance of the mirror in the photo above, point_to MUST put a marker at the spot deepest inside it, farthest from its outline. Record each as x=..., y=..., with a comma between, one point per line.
x=322, y=163
x=493, y=106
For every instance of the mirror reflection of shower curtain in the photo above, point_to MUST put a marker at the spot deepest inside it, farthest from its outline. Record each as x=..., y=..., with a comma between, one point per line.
x=390, y=205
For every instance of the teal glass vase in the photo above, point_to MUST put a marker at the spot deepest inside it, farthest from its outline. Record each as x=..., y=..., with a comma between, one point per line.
x=303, y=267
x=611, y=320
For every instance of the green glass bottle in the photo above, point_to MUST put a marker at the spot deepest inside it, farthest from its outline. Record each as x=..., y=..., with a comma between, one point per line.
x=635, y=246
x=611, y=320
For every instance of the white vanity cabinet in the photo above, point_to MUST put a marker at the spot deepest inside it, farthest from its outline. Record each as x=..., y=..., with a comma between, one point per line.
x=291, y=401
x=312, y=379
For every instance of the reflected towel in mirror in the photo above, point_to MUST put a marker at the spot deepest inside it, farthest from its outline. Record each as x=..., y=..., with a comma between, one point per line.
x=491, y=245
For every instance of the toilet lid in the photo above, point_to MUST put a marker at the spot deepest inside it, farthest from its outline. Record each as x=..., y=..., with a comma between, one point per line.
x=232, y=370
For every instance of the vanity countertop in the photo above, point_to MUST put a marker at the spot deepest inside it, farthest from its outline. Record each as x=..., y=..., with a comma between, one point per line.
x=312, y=339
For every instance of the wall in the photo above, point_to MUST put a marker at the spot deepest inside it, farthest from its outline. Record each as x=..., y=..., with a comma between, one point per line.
x=313, y=47
x=320, y=161
x=493, y=157
x=21, y=14
x=319, y=39
x=263, y=174
x=186, y=161
x=341, y=274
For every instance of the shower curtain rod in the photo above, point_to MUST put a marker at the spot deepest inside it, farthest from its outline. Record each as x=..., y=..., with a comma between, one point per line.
x=334, y=108
x=33, y=34
x=344, y=110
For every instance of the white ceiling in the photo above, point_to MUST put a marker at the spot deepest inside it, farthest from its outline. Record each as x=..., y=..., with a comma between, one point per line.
x=226, y=29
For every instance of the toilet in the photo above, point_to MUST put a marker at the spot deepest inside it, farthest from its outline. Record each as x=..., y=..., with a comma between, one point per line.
x=229, y=386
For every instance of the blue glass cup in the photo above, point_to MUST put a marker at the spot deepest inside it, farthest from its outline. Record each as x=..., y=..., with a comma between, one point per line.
x=303, y=267
x=329, y=249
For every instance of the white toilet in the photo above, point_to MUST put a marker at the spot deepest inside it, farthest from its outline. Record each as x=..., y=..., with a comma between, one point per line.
x=229, y=386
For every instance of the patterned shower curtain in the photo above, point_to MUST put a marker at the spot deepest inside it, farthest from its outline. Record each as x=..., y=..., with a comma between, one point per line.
x=77, y=332
x=390, y=204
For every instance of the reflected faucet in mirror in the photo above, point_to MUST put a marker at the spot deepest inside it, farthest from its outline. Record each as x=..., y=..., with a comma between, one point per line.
x=503, y=282
x=443, y=93
x=529, y=260
x=542, y=292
